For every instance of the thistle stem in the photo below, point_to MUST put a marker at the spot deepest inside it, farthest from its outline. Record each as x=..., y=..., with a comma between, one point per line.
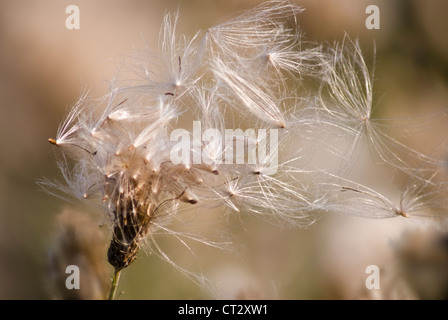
x=115, y=280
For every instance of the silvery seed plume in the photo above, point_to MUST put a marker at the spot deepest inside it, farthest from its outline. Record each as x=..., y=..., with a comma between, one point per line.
x=421, y=195
x=346, y=108
x=119, y=148
x=235, y=87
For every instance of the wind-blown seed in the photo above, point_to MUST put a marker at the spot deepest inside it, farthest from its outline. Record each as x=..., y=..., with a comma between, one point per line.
x=243, y=73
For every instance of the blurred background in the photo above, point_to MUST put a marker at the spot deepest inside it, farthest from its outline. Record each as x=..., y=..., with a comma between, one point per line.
x=44, y=67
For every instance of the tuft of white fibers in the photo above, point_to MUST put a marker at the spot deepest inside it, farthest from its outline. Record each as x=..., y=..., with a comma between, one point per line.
x=346, y=109
x=249, y=96
x=421, y=196
x=255, y=29
x=217, y=121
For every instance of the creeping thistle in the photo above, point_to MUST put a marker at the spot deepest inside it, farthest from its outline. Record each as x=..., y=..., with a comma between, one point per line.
x=243, y=73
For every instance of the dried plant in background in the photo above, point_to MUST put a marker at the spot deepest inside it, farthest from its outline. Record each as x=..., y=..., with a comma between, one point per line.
x=422, y=261
x=79, y=243
x=416, y=270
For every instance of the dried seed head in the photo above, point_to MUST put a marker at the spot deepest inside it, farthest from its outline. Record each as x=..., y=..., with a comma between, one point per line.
x=80, y=243
x=127, y=149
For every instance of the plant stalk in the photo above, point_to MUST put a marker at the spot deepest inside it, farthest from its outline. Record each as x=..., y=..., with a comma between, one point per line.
x=114, y=286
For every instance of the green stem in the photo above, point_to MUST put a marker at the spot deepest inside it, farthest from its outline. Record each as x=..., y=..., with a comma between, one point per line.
x=114, y=286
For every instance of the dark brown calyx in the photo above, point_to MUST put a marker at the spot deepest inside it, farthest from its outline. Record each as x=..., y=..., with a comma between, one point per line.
x=131, y=225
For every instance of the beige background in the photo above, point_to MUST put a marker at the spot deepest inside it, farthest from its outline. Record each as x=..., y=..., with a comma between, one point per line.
x=44, y=67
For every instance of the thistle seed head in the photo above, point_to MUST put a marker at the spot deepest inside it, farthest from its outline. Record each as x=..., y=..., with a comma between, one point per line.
x=237, y=83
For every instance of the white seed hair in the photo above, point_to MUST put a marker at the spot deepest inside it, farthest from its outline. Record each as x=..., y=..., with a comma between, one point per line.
x=241, y=73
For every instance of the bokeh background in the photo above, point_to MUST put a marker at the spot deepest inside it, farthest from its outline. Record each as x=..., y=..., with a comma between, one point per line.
x=44, y=67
